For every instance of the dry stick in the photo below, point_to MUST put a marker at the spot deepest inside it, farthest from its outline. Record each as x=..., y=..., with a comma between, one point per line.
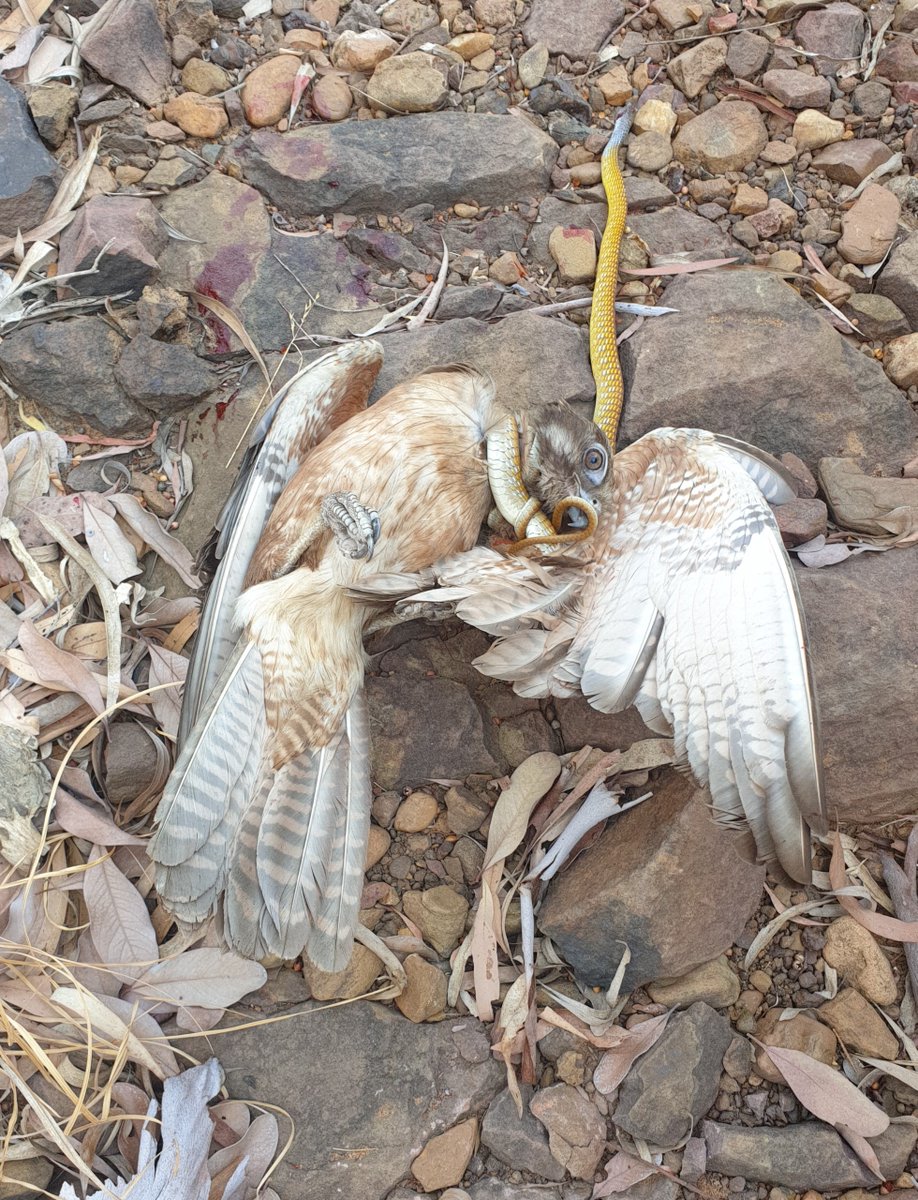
x=903, y=891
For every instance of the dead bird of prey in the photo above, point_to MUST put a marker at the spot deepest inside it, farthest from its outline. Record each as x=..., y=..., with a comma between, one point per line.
x=266, y=813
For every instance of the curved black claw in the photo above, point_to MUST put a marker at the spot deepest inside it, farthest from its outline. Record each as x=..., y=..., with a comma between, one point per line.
x=355, y=527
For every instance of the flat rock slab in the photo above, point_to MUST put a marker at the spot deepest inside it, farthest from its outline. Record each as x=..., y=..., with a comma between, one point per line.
x=386, y=166
x=634, y=886
x=864, y=642
x=745, y=355
x=366, y=1090
x=810, y=1155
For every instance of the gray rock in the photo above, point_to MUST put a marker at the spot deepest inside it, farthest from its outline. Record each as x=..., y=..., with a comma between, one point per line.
x=624, y=890
x=360, y=1076
x=499, y=1189
x=863, y=641
x=52, y=105
x=804, y=1156
x=385, y=166
x=131, y=229
x=682, y=370
x=28, y=174
x=675, y=231
x=129, y=49
x=899, y=278
x=835, y=32
x=675, y=1083
x=877, y=316
x=68, y=369
x=521, y=1143
x=747, y=53
x=387, y=249
x=576, y=30
x=162, y=376
x=477, y=301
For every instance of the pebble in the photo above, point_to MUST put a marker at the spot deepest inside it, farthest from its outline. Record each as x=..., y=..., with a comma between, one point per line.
x=424, y=997
x=615, y=86
x=747, y=53
x=465, y=811
x=877, y=317
x=655, y=116
x=801, y=1032
x=364, y=51
x=518, y=1140
x=443, y=1161
x=199, y=116
x=470, y=45
x=900, y=360
x=777, y=217
x=800, y=521
x=649, y=151
x=416, y=812
x=715, y=983
x=576, y=1131
x=303, y=40
x=331, y=98
x=165, y=131
x=869, y=226
x=267, y=90
x=693, y=69
x=857, y=957
x=506, y=269
x=52, y=106
x=748, y=200
x=726, y=137
x=813, y=130
x=378, y=843
x=408, y=16
x=797, y=90
x=574, y=252
x=788, y=262
x=852, y=161
x=440, y=914
x=533, y=64
x=207, y=79
x=858, y=1025
x=779, y=153
x=871, y=99
x=407, y=84
x=356, y=979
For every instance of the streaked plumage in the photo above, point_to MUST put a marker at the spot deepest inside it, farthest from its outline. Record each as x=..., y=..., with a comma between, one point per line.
x=269, y=799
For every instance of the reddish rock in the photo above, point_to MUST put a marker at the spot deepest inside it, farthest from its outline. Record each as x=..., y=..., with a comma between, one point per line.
x=837, y=32
x=801, y=520
x=131, y=229
x=898, y=62
x=576, y=30
x=129, y=49
x=796, y=89
x=267, y=90
x=851, y=162
x=869, y=226
x=331, y=98
x=899, y=278
x=726, y=137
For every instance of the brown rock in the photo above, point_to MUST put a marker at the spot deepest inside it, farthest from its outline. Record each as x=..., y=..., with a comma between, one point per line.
x=506, y=269
x=331, y=98
x=416, y=812
x=470, y=45
x=615, y=86
x=813, y=130
x=199, y=116
x=801, y=520
x=623, y=890
x=693, y=69
x=898, y=61
x=780, y=153
x=356, y=979
x=777, y=218
x=576, y=30
x=726, y=137
x=363, y=51
x=576, y=1131
x=131, y=234
x=465, y=811
x=408, y=16
x=869, y=226
x=574, y=250
x=654, y=116
x=52, y=106
x=858, y=1025
x=715, y=983
x=836, y=32
x=267, y=90
x=440, y=915
x=869, y=503
x=129, y=49
x=207, y=79
x=165, y=131
x=677, y=14
x=444, y=1159
x=857, y=957
x=303, y=40
x=747, y=53
x=806, y=486
x=899, y=278
x=801, y=1032
x=378, y=844
x=749, y=200
x=901, y=361
x=424, y=998
x=411, y=83
x=797, y=89
x=878, y=318
x=835, y=290
x=851, y=162
x=650, y=151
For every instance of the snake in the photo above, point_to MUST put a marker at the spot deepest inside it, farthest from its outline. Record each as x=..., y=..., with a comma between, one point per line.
x=531, y=526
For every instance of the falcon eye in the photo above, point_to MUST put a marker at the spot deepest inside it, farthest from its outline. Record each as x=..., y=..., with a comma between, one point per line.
x=594, y=460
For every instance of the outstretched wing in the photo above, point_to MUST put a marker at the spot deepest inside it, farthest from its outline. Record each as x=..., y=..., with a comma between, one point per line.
x=319, y=398
x=690, y=611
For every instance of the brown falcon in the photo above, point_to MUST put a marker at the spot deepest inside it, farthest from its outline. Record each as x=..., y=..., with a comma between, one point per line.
x=268, y=805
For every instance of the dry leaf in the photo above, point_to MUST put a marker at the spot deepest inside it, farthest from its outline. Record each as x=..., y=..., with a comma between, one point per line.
x=106, y=543
x=622, y=1172
x=166, y=667
x=826, y=1093
x=876, y=923
x=54, y=668
x=513, y=1015
x=170, y=549
x=92, y=826
x=618, y=1061
x=863, y=1149
x=206, y=978
x=118, y=917
x=121, y=1022
x=684, y=268
x=257, y=1147
x=528, y=784
x=906, y=1075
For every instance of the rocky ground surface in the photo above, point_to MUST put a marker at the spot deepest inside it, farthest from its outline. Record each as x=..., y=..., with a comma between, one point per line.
x=308, y=167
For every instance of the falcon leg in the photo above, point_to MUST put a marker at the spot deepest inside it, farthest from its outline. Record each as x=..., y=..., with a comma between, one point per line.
x=411, y=610
x=354, y=527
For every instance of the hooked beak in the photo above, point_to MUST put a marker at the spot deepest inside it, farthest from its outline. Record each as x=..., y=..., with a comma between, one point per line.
x=576, y=518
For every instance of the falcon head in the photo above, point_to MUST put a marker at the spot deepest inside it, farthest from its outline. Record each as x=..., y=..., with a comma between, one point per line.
x=564, y=454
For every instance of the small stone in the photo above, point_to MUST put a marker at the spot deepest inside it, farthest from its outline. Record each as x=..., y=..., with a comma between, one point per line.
x=836, y=291
x=29, y=174
x=898, y=61
x=304, y=40
x=52, y=106
x=129, y=49
x=408, y=16
x=440, y=914
x=813, y=130
x=407, y=84
x=444, y=1159
x=331, y=98
x=871, y=99
x=506, y=269
x=715, y=983
x=900, y=360
x=570, y=1067
x=161, y=311
x=161, y=376
x=165, y=131
x=852, y=161
x=796, y=89
x=726, y=137
x=470, y=45
x=128, y=235
x=857, y=957
x=779, y=153
x=777, y=218
x=576, y=1131
x=465, y=811
x=615, y=86
x=576, y=30
x=675, y=14
x=836, y=32
x=869, y=226
x=693, y=69
x=655, y=115
x=788, y=262
x=184, y=48
x=424, y=997
x=207, y=79
x=416, y=812
x=760, y=981
x=749, y=1002
x=801, y=520
x=739, y=1058
x=519, y=1141
x=899, y=278
x=364, y=51
x=649, y=151
x=199, y=116
x=858, y=1026
x=378, y=844
x=170, y=172
x=533, y=64
x=801, y=1032
x=749, y=200
x=357, y=977
x=747, y=53
x=267, y=90
x=574, y=251
x=193, y=18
